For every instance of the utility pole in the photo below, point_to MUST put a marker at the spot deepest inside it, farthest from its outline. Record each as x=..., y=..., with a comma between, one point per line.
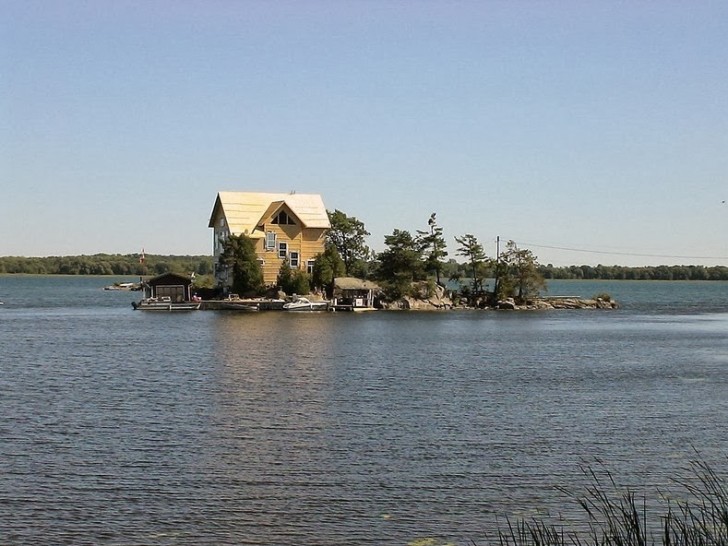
x=497, y=267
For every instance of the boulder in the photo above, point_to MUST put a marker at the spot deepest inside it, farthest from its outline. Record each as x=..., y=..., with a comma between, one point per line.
x=506, y=304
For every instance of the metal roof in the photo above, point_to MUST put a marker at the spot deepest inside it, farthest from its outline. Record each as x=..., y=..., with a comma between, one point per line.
x=245, y=211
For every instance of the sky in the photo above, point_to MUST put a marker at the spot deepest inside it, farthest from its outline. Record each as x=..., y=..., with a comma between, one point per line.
x=591, y=132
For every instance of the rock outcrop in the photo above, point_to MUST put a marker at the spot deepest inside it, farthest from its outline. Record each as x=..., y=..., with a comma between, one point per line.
x=425, y=298
x=566, y=303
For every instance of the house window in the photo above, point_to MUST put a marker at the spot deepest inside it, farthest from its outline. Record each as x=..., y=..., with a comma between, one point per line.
x=270, y=241
x=294, y=259
x=282, y=250
x=309, y=266
x=283, y=218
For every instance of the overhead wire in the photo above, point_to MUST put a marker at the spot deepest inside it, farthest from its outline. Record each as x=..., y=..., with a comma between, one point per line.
x=634, y=254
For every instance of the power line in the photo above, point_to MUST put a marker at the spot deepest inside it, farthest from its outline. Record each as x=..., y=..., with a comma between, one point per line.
x=626, y=253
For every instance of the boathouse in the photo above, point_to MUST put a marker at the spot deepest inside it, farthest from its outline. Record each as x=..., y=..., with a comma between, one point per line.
x=352, y=294
x=172, y=285
x=285, y=227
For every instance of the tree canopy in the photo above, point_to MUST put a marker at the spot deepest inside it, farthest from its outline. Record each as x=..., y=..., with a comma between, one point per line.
x=518, y=273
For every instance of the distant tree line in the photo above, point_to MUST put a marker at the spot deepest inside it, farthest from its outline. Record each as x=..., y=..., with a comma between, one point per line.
x=107, y=264
x=644, y=273
x=408, y=258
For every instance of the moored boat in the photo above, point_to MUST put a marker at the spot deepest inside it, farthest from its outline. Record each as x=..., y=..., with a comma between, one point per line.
x=304, y=304
x=234, y=303
x=165, y=304
x=124, y=286
x=238, y=306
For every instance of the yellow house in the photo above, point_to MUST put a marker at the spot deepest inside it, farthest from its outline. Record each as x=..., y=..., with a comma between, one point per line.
x=288, y=227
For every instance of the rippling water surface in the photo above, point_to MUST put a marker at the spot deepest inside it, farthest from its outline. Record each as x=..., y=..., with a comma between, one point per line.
x=123, y=427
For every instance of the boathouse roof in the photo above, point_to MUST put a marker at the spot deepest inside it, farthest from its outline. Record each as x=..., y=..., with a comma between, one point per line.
x=352, y=283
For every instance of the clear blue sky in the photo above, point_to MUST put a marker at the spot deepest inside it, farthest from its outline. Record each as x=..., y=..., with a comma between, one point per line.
x=596, y=126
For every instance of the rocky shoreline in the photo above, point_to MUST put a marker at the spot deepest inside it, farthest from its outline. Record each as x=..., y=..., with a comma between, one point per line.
x=440, y=301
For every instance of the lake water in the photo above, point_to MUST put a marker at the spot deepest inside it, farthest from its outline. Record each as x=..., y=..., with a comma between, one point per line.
x=124, y=427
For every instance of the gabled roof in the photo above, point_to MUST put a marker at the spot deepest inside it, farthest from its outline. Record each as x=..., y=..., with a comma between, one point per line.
x=244, y=211
x=167, y=278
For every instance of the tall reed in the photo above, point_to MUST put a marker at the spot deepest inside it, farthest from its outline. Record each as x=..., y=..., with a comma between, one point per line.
x=617, y=516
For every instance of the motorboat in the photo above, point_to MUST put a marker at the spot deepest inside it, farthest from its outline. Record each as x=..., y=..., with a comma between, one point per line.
x=165, y=303
x=238, y=306
x=123, y=286
x=304, y=304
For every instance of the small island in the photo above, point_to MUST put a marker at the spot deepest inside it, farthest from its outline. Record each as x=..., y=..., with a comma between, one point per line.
x=289, y=245
x=287, y=251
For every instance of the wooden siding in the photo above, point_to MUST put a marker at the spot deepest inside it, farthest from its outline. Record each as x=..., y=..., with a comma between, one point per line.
x=307, y=242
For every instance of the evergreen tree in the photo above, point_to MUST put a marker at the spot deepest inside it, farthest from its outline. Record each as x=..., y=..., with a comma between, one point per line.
x=473, y=251
x=239, y=255
x=433, y=246
x=347, y=235
x=401, y=264
x=327, y=266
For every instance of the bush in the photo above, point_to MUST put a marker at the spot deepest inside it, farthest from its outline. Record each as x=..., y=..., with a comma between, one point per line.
x=293, y=281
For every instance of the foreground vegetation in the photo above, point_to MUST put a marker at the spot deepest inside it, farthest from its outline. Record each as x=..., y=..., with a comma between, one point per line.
x=614, y=516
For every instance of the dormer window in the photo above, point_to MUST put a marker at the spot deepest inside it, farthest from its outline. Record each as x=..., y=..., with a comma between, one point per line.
x=283, y=219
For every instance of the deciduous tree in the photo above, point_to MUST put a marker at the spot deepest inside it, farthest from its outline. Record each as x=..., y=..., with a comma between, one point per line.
x=293, y=281
x=519, y=273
